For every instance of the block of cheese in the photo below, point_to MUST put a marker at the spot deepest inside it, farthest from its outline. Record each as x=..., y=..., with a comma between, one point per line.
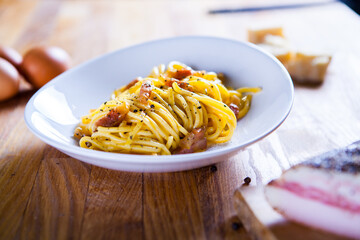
x=277, y=46
x=303, y=67
x=258, y=35
x=282, y=54
x=275, y=40
x=308, y=68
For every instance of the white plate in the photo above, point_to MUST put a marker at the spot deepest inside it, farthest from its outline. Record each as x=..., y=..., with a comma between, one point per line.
x=55, y=110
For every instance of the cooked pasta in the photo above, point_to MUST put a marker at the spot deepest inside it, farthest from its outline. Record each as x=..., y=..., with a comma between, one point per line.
x=173, y=110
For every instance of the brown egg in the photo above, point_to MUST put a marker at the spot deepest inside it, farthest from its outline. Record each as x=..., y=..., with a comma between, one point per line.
x=11, y=55
x=41, y=64
x=9, y=80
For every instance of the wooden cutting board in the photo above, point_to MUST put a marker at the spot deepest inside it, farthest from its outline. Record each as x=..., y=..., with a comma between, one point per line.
x=263, y=222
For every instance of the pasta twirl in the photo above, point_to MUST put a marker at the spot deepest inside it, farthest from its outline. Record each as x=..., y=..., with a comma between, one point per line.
x=173, y=110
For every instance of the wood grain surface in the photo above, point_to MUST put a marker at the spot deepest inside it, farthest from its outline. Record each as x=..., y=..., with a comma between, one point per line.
x=44, y=194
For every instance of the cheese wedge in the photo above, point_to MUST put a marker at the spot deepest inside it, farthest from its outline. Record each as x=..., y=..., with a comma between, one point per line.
x=308, y=68
x=258, y=35
x=303, y=67
x=282, y=54
x=277, y=46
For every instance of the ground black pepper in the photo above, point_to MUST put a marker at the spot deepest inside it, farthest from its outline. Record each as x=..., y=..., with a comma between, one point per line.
x=213, y=168
x=236, y=226
x=247, y=181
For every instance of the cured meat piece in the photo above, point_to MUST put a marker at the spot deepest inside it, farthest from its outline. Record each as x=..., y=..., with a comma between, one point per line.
x=182, y=84
x=235, y=109
x=323, y=192
x=180, y=74
x=145, y=91
x=193, y=142
x=114, y=117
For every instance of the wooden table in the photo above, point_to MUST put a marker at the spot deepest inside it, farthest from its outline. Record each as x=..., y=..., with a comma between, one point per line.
x=45, y=194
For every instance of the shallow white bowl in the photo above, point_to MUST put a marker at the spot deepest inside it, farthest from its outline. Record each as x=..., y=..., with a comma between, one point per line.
x=55, y=110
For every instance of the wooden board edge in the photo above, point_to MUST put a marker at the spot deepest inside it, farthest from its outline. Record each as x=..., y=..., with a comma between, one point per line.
x=253, y=226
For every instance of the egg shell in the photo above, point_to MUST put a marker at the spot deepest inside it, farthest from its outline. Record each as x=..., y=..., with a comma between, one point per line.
x=11, y=55
x=41, y=64
x=9, y=80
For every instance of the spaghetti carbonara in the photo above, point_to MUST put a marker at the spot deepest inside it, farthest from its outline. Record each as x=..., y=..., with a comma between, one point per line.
x=172, y=111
